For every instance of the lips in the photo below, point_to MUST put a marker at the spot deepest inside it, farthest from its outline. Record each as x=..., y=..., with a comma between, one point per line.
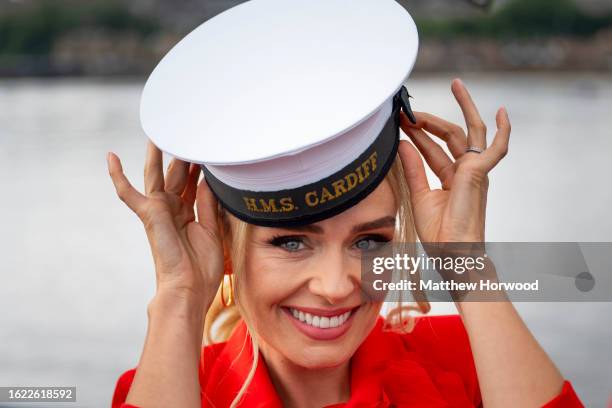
x=321, y=324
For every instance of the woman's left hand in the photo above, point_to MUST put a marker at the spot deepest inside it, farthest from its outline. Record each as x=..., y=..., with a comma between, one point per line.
x=455, y=213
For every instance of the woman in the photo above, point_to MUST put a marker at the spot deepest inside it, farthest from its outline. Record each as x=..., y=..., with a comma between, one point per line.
x=300, y=333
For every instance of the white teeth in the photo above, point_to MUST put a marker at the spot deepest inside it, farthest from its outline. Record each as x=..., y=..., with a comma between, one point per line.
x=322, y=322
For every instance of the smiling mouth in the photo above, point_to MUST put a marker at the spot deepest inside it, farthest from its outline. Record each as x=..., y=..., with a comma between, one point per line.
x=321, y=324
x=318, y=321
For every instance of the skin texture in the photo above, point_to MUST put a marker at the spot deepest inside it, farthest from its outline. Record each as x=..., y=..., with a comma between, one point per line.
x=512, y=368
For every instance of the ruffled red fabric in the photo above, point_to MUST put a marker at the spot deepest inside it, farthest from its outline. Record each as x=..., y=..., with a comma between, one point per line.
x=430, y=367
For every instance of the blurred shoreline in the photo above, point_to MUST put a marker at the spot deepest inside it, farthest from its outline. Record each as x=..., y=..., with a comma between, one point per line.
x=417, y=75
x=107, y=38
x=98, y=56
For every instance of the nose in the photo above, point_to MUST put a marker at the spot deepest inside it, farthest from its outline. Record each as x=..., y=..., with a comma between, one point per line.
x=335, y=276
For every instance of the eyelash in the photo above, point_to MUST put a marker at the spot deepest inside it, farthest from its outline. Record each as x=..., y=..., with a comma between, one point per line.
x=280, y=240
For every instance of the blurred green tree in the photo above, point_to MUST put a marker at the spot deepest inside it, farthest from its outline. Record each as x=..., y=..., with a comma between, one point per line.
x=521, y=18
x=32, y=29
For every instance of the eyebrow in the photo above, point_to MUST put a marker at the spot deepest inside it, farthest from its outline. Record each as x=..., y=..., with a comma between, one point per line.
x=387, y=221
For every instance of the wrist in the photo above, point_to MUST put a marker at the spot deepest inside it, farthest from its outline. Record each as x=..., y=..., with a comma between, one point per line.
x=477, y=282
x=175, y=304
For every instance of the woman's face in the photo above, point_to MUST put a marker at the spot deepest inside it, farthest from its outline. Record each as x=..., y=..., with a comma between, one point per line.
x=301, y=289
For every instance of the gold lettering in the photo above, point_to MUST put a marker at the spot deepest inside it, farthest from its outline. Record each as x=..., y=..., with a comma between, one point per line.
x=287, y=204
x=269, y=205
x=351, y=180
x=251, y=204
x=309, y=202
x=326, y=195
x=358, y=171
x=339, y=188
x=366, y=168
x=373, y=158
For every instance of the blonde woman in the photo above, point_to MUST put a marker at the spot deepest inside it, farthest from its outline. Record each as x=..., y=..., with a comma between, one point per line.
x=282, y=307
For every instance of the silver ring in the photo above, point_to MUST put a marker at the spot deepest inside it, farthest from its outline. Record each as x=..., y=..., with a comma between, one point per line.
x=474, y=149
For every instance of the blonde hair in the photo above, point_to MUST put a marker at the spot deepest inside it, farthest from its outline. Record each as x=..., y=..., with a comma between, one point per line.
x=220, y=320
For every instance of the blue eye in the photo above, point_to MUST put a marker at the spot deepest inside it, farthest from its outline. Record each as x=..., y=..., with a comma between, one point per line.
x=289, y=243
x=370, y=243
x=293, y=245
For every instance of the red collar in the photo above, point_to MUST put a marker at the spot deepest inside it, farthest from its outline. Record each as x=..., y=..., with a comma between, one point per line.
x=388, y=369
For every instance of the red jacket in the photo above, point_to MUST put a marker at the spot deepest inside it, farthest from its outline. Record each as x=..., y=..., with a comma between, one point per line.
x=430, y=367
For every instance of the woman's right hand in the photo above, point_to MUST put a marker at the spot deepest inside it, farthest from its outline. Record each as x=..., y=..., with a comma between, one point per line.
x=188, y=253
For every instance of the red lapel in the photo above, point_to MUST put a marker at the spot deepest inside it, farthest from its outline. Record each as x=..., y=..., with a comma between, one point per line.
x=227, y=365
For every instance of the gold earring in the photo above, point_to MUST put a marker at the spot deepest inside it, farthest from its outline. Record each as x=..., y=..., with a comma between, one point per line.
x=227, y=280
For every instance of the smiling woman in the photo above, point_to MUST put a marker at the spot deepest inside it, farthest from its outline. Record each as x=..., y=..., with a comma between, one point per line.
x=300, y=324
x=284, y=216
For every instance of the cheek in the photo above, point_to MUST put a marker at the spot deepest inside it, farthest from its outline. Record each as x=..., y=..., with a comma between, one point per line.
x=266, y=282
x=268, y=278
x=272, y=275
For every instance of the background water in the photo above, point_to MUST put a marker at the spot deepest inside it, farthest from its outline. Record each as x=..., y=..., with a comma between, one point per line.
x=75, y=265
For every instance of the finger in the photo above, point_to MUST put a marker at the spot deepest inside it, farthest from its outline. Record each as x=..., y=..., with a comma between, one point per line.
x=206, y=206
x=126, y=192
x=499, y=147
x=477, y=130
x=434, y=155
x=153, y=172
x=452, y=134
x=176, y=176
x=189, y=195
x=414, y=170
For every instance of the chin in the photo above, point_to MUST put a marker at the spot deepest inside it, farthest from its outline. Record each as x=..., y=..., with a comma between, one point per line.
x=324, y=357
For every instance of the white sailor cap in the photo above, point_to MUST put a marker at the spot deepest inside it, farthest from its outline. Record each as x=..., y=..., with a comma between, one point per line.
x=291, y=107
